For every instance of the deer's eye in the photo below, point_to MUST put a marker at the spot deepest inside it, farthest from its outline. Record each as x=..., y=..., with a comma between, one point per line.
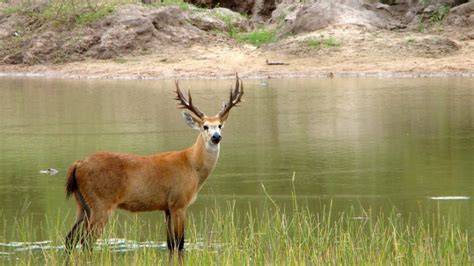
x=220, y=126
x=205, y=127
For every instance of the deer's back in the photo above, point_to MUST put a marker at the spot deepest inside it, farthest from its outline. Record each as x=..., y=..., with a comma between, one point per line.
x=135, y=183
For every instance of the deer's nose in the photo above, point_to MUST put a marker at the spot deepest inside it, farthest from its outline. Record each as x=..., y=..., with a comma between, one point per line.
x=216, y=138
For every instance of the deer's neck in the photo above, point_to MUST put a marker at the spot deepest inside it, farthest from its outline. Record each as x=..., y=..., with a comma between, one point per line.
x=203, y=157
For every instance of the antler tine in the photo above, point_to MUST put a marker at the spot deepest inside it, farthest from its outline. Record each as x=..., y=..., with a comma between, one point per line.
x=235, y=96
x=186, y=103
x=236, y=89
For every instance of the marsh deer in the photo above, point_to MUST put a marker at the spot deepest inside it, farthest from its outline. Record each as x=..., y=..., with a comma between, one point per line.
x=168, y=181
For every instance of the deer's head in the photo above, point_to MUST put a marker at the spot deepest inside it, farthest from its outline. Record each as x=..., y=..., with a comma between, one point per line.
x=209, y=126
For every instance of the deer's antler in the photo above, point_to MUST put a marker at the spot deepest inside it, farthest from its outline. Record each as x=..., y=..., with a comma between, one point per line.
x=234, y=99
x=187, y=103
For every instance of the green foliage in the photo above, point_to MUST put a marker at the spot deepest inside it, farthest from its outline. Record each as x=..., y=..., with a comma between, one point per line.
x=258, y=37
x=79, y=12
x=179, y=3
x=232, y=30
x=120, y=60
x=318, y=43
x=424, y=2
x=421, y=26
x=439, y=14
x=91, y=16
x=270, y=235
x=10, y=10
x=434, y=20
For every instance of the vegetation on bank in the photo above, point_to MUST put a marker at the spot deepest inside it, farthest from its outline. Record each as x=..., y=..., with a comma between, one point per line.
x=86, y=12
x=258, y=37
x=276, y=236
x=73, y=28
x=60, y=31
x=322, y=42
x=78, y=12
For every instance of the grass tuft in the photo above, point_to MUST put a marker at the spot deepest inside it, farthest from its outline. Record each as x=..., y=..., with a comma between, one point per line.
x=80, y=12
x=258, y=37
x=274, y=236
x=318, y=43
x=179, y=3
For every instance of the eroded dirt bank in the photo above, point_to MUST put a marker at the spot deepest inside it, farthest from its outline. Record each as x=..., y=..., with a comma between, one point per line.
x=166, y=42
x=364, y=53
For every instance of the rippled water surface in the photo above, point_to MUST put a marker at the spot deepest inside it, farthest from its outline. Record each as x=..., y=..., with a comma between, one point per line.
x=375, y=144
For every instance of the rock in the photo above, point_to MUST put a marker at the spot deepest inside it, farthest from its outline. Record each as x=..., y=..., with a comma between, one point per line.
x=236, y=19
x=462, y=15
x=382, y=6
x=137, y=28
x=132, y=30
x=220, y=19
x=123, y=31
x=13, y=59
x=262, y=9
x=206, y=22
x=85, y=43
x=5, y=33
x=241, y=6
x=323, y=13
x=285, y=15
x=41, y=47
x=10, y=24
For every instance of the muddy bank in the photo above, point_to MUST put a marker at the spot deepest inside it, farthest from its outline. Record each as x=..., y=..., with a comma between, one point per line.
x=160, y=42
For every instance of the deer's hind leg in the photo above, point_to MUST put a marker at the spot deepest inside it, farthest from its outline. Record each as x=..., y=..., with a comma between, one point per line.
x=175, y=229
x=94, y=226
x=76, y=234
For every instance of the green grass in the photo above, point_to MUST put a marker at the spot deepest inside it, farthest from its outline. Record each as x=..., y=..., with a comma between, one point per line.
x=421, y=26
x=435, y=20
x=61, y=12
x=179, y=3
x=10, y=10
x=89, y=16
x=80, y=12
x=318, y=43
x=120, y=60
x=275, y=236
x=439, y=14
x=257, y=37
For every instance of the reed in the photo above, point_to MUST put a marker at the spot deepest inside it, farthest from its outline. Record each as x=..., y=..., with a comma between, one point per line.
x=275, y=236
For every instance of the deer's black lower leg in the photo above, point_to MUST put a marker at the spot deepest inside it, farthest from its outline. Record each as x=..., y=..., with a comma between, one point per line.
x=175, y=236
x=72, y=237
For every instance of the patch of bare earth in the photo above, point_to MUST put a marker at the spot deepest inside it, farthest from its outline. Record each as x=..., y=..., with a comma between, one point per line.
x=356, y=52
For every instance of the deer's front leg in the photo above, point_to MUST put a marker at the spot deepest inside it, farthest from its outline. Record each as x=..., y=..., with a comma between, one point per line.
x=175, y=228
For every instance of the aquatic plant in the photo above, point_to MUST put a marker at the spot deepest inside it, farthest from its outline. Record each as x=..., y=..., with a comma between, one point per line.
x=277, y=236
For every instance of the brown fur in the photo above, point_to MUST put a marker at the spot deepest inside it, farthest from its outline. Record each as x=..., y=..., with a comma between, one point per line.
x=167, y=181
x=71, y=184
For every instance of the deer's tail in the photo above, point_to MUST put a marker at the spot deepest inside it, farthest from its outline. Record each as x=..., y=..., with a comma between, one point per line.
x=71, y=184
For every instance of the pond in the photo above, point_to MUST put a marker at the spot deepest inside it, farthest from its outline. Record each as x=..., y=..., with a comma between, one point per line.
x=380, y=144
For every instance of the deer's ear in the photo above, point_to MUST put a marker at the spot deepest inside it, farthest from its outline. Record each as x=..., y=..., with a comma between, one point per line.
x=192, y=121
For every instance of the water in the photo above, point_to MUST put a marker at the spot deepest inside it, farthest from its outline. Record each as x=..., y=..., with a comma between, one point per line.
x=375, y=144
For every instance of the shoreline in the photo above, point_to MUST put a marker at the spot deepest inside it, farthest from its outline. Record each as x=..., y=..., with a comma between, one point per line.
x=340, y=50
x=257, y=76
x=201, y=62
